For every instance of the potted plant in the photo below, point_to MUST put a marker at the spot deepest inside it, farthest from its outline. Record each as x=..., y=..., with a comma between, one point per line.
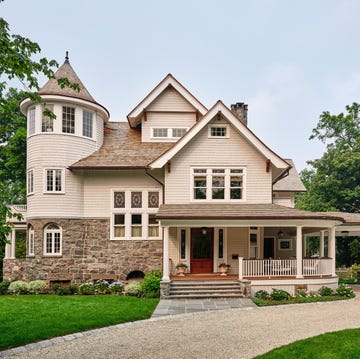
x=181, y=268
x=224, y=268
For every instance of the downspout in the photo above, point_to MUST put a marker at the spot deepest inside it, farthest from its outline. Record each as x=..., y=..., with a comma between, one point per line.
x=158, y=181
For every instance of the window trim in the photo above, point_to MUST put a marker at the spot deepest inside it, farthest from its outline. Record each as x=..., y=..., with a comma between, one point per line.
x=223, y=125
x=32, y=121
x=209, y=175
x=31, y=241
x=30, y=182
x=45, y=190
x=145, y=211
x=53, y=232
x=67, y=119
x=91, y=127
x=170, y=132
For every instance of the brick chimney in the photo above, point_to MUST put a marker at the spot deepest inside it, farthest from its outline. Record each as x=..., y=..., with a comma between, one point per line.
x=240, y=110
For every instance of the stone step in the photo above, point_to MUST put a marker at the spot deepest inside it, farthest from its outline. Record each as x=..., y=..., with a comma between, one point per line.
x=204, y=296
x=205, y=287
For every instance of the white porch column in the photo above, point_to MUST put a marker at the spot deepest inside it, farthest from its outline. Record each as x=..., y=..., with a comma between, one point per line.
x=8, y=247
x=13, y=236
x=304, y=245
x=299, y=260
x=321, y=246
x=166, y=274
x=332, y=250
x=241, y=261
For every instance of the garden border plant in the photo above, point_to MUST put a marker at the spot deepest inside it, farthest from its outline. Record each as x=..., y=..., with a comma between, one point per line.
x=277, y=296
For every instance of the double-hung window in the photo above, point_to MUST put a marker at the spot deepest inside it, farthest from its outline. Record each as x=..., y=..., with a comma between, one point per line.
x=47, y=124
x=30, y=182
x=68, y=120
x=52, y=239
x=218, y=184
x=54, y=180
x=87, y=124
x=31, y=121
x=31, y=240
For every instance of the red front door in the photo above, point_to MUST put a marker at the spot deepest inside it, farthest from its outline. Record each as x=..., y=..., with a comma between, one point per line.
x=202, y=250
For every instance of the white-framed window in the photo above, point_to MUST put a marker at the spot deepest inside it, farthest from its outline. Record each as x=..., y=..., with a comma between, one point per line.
x=52, y=239
x=31, y=121
x=254, y=235
x=218, y=184
x=31, y=241
x=30, y=182
x=216, y=131
x=47, y=123
x=54, y=180
x=133, y=214
x=168, y=133
x=87, y=129
x=68, y=120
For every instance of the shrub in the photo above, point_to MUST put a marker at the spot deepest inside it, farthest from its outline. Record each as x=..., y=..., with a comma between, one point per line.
x=301, y=293
x=353, y=270
x=262, y=294
x=4, y=287
x=86, y=289
x=65, y=290
x=101, y=286
x=37, y=286
x=134, y=289
x=325, y=291
x=344, y=291
x=18, y=287
x=151, y=285
x=116, y=287
x=279, y=294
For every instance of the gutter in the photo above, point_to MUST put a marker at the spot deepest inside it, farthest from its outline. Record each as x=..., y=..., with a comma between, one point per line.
x=158, y=181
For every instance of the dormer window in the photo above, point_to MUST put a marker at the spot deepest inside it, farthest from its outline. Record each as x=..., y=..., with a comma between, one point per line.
x=168, y=133
x=218, y=131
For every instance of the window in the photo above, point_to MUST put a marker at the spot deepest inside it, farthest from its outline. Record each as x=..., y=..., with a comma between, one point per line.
x=153, y=226
x=47, y=124
x=54, y=181
x=218, y=184
x=218, y=131
x=30, y=182
x=183, y=244
x=68, y=120
x=31, y=241
x=136, y=225
x=134, y=214
x=178, y=132
x=32, y=121
x=87, y=124
x=119, y=225
x=160, y=132
x=221, y=243
x=52, y=239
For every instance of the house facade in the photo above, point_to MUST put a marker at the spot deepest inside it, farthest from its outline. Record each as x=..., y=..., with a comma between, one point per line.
x=176, y=183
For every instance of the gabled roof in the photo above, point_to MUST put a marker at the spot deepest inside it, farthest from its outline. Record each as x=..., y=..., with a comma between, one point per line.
x=169, y=80
x=290, y=183
x=122, y=149
x=66, y=71
x=219, y=107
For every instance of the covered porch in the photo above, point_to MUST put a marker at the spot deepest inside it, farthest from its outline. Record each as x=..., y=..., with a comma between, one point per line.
x=261, y=244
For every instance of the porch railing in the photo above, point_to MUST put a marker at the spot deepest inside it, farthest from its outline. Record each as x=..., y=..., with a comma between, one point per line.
x=283, y=267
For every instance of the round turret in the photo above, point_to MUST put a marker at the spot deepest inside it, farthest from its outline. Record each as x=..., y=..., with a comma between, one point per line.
x=55, y=144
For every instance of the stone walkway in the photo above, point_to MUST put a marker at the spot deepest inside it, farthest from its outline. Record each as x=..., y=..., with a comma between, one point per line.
x=185, y=306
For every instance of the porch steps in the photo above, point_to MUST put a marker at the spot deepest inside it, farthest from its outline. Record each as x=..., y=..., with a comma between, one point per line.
x=205, y=289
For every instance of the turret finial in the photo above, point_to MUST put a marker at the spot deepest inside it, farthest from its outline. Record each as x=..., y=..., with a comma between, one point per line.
x=67, y=57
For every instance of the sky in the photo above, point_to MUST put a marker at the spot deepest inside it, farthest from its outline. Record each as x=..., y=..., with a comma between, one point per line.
x=288, y=60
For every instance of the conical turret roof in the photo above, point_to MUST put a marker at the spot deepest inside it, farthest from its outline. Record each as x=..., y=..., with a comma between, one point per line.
x=65, y=70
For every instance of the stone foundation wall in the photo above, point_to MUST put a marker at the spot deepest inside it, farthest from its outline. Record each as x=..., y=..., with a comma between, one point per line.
x=87, y=254
x=14, y=269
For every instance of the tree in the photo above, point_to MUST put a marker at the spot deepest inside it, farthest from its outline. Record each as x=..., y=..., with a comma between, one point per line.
x=333, y=181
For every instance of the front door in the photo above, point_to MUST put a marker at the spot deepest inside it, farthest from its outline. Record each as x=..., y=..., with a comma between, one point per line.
x=202, y=250
x=268, y=247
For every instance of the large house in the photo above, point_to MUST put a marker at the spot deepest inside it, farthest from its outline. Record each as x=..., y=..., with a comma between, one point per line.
x=176, y=183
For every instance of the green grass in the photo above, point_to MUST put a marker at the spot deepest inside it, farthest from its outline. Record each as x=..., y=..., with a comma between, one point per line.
x=337, y=345
x=31, y=318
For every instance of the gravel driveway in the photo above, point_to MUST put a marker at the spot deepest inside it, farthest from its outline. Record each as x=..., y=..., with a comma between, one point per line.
x=238, y=333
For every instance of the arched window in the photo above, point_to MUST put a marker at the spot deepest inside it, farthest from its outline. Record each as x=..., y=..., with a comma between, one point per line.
x=31, y=240
x=52, y=239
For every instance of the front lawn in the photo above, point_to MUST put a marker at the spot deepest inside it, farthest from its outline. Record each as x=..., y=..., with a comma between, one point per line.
x=338, y=345
x=31, y=318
